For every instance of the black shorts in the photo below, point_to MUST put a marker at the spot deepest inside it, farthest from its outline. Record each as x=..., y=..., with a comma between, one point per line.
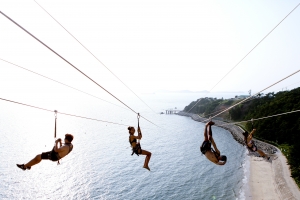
x=50, y=155
x=253, y=148
x=206, y=146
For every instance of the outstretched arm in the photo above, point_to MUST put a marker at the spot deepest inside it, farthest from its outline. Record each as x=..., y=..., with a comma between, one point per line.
x=250, y=135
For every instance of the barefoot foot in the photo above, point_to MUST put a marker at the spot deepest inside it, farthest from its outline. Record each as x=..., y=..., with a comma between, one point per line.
x=147, y=168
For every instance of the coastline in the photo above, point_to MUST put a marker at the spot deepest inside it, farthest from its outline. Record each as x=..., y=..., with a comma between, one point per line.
x=266, y=180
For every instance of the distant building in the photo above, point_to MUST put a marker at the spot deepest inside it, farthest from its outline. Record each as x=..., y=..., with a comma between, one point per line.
x=242, y=96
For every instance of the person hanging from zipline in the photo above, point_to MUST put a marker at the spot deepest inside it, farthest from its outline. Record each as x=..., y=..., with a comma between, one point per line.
x=251, y=145
x=136, y=147
x=57, y=153
x=212, y=154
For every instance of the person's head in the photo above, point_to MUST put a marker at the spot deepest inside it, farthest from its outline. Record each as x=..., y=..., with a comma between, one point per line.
x=68, y=138
x=223, y=159
x=131, y=130
x=246, y=134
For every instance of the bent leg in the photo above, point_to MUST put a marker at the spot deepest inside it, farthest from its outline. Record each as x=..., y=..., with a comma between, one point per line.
x=261, y=153
x=34, y=161
x=147, y=159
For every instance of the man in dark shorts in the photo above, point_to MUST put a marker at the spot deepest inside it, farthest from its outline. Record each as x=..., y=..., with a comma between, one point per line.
x=56, y=154
x=212, y=154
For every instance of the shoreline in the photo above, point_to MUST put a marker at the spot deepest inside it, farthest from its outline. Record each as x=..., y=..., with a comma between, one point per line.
x=266, y=180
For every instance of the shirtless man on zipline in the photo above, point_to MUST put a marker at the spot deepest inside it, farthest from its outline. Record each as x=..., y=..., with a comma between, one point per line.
x=251, y=145
x=212, y=154
x=56, y=154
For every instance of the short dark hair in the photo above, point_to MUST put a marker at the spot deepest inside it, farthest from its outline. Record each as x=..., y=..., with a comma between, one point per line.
x=223, y=158
x=69, y=137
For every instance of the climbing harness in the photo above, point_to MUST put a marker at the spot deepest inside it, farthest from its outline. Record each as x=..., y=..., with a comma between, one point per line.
x=53, y=152
x=137, y=147
x=66, y=144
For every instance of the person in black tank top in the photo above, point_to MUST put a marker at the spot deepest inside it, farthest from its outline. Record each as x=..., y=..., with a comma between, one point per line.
x=136, y=147
x=55, y=154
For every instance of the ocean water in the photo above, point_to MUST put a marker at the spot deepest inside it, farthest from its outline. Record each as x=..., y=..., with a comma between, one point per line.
x=101, y=166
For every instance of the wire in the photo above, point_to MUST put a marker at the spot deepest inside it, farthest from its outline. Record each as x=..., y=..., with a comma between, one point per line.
x=260, y=118
x=195, y=104
x=255, y=94
x=254, y=47
x=225, y=108
x=73, y=65
x=61, y=112
x=60, y=83
x=93, y=55
x=248, y=53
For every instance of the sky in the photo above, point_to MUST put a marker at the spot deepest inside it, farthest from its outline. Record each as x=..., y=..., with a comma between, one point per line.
x=150, y=45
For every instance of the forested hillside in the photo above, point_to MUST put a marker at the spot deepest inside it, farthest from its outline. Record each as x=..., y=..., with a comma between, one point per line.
x=283, y=131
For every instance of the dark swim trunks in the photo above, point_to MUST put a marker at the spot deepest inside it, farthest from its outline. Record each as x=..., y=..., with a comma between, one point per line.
x=253, y=147
x=50, y=155
x=206, y=146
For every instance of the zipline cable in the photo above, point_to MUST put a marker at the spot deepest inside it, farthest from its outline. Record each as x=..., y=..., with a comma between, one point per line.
x=60, y=83
x=260, y=118
x=73, y=66
x=255, y=94
x=94, y=56
x=209, y=114
x=255, y=47
x=248, y=53
x=61, y=112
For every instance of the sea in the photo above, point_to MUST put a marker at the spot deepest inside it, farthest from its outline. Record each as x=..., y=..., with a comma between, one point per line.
x=101, y=166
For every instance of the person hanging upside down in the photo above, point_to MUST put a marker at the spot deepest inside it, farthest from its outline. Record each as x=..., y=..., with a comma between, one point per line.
x=251, y=145
x=212, y=154
x=136, y=147
x=56, y=154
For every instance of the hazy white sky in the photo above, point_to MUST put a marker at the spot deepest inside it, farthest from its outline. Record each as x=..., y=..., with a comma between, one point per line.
x=150, y=45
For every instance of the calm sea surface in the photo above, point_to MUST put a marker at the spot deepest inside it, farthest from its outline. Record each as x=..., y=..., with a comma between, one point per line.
x=101, y=165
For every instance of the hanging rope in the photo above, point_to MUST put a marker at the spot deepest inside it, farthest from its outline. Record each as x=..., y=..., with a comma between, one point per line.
x=55, y=114
x=94, y=56
x=139, y=130
x=62, y=113
x=61, y=83
x=73, y=66
x=251, y=120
